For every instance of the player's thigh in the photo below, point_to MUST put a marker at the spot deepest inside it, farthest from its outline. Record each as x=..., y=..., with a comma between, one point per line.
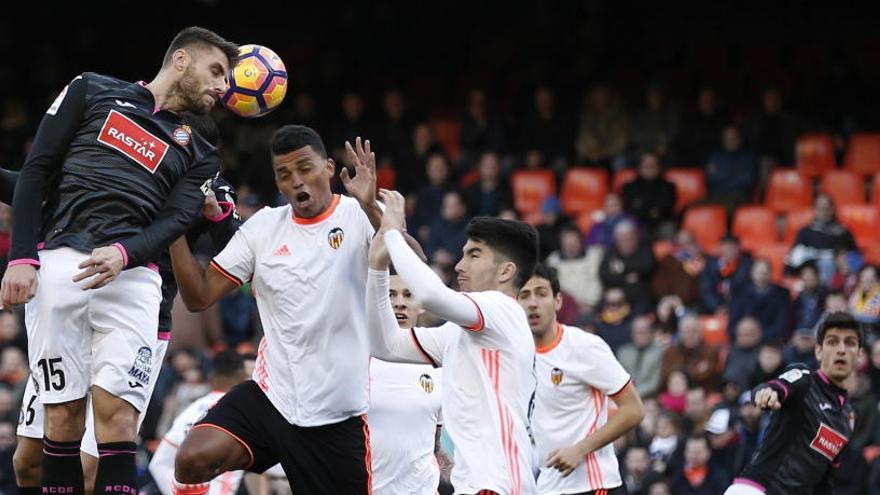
x=59, y=347
x=124, y=317
x=329, y=459
x=238, y=432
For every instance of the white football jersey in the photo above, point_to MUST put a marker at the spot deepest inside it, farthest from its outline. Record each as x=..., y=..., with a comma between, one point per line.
x=309, y=279
x=162, y=463
x=488, y=392
x=577, y=373
x=404, y=416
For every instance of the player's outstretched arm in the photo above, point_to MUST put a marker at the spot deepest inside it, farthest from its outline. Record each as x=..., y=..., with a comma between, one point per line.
x=629, y=414
x=387, y=341
x=421, y=280
x=199, y=288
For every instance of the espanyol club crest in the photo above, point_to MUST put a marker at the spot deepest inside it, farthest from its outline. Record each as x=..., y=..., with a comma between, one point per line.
x=427, y=383
x=556, y=376
x=141, y=369
x=335, y=237
x=182, y=135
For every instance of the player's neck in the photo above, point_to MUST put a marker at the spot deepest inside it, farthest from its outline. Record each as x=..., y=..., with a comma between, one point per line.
x=545, y=338
x=839, y=383
x=164, y=92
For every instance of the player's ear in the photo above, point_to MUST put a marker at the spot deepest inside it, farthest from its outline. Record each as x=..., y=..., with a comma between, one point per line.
x=180, y=59
x=558, y=299
x=817, y=350
x=331, y=166
x=506, y=271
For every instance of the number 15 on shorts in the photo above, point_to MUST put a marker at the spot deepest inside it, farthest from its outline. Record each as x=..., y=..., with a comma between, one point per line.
x=53, y=375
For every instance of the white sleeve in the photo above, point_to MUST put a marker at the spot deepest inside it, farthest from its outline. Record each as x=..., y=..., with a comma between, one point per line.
x=387, y=340
x=602, y=370
x=427, y=287
x=236, y=261
x=162, y=466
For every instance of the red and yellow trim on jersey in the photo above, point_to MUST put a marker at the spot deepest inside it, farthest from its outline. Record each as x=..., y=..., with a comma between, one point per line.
x=556, y=340
x=615, y=394
x=594, y=471
x=481, y=322
x=424, y=353
x=222, y=271
x=368, y=457
x=492, y=363
x=321, y=216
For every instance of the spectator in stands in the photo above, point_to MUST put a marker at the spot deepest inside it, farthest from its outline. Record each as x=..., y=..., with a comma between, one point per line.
x=491, y=193
x=615, y=319
x=801, y=348
x=353, y=122
x=669, y=310
x=770, y=363
x=748, y=430
x=771, y=130
x=674, y=397
x=11, y=333
x=602, y=133
x=578, y=268
x=696, y=410
x=655, y=127
x=7, y=449
x=665, y=447
x=660, y=487
x=742, y=358
x=429, y=200
x=724, y=275
x=701, y=130
x=699, y=477
x=732, y=171
x=481, y=130
x=679, y=271
x=873, y=368
x=448, y=231
x=638, y=475
x=248, y=203
x=641, y=357
x=602, y=232
x=651, y=198
x=846, y=264
x=629, y=264
x=836, y=301
x=395, y=128
x=864, y=303
x=550, y=226
x=821, y=241
x=692, y=356
x=767, y=302
x=14, y=369
x=545, y=129
x=810, y=302
x=412, y=165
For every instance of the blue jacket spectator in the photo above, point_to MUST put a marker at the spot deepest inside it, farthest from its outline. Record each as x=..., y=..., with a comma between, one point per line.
x=732, y=171
x=724, y=275
x=766, y=302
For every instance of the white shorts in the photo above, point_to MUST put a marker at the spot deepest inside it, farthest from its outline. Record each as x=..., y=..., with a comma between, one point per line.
x=30, y=419
x=104, y=337
x=743, y=486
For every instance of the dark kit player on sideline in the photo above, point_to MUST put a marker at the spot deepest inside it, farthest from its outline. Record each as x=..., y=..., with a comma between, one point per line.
x=811, y=421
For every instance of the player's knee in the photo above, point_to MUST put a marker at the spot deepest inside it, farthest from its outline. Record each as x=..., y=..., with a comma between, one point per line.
x=26, y=461
x=115, y=419
x=65, y=422
x=196, y=464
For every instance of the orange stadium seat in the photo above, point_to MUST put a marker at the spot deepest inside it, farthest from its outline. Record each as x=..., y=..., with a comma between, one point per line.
x=708, y=224
x=386, y=178
x=875, y=189
x=754, y=225
x=583, y=190
x=844, y=186
x=863, y=153
x=690, y=185
x=863, y=221
x=448, y=134
x=815, y=154
x=774, y=253
x=470, y=178
x=715, y=330
x=531, y=188
x=795, y=221
x=621, y=177
x=788, y=190
x=585, y=221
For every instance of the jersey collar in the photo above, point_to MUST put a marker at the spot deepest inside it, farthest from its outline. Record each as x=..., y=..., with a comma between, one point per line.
x=556, y=340
x=318, y=218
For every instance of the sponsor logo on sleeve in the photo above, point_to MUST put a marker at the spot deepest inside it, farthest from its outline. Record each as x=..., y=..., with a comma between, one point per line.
x=828, y=442
x=125, y=136
x=792, y=375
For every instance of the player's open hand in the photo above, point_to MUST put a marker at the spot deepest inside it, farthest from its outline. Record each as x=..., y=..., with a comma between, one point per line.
x=19, y=285
x=102, y=267
x=362, y=159
x=394, y=217
x=767, y=398
x=565, y=460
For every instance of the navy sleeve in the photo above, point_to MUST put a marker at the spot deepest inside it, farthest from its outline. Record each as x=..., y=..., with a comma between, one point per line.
x=50, y=146
x=790, y=385
x=182, y=208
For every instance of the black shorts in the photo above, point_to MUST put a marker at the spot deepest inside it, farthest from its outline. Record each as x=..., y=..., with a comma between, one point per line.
x=324, y=459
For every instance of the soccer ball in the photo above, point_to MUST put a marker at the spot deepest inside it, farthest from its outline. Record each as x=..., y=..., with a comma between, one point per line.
x=257, y=83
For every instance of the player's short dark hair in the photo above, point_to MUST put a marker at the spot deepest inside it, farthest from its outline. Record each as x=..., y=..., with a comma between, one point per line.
x=293, y=137
x=227, y=364
x=549, y=274
x=840, y=320
x=204, y=126
x=204, y=38
x=517, y=241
